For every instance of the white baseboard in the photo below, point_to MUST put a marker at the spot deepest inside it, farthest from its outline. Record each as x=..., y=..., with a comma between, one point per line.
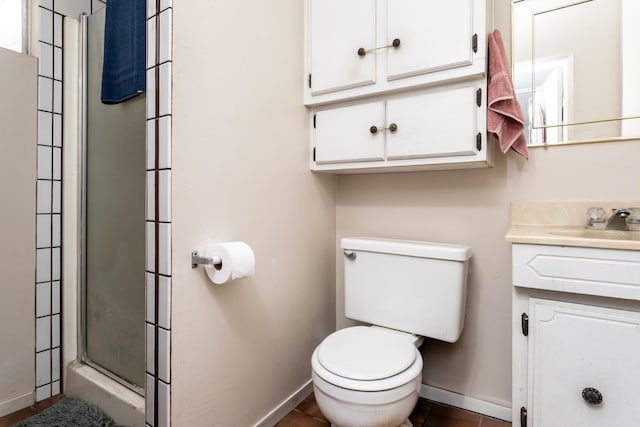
x=465, y=402
x=16, y=403
x=286, y=406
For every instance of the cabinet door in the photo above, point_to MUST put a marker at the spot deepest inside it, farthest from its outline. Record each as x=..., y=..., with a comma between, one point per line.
x=434, y=35
x=342, y=134
x=337, y=30
x=434, y=124
x=573, y=347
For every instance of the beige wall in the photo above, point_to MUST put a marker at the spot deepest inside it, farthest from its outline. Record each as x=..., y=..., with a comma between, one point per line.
x=472, y=207
x=17, y=229
x=240, y=172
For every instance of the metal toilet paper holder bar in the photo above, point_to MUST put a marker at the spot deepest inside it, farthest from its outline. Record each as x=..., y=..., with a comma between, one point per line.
x=197, y=260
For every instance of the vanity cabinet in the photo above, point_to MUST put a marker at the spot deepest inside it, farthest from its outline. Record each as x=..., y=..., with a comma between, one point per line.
x=357, y=48
x=440, y=127
x=576, y=336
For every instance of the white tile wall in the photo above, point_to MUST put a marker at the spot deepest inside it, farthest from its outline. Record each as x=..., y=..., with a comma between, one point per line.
x=44, y=162
x=165, y=87
x=151, y=44
x=46, y=26
x=57, y=130
x=55, y=297
x=164, y=354
x=57, y=27
x=151, y=143
x=150, y=196
x=151, y=95
x=150, y=297
x=43, y=265
x=45, y=124
x=165, y=35
x=43, y=231
x=45, y=61
x=164, y=249
x=164, y=159
x=150, y=356
x=49, y=191
x=150, y=400
x=43, y=333
x=57, y=97
x=45, y=93
x=57, y=63
x=164, y=195
x=159, y=27
x=55, y=230
x=43, y=299
x=151, y=243
x=164, y=302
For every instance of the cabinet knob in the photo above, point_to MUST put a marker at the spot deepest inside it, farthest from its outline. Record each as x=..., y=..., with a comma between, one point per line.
x=392, y=128
x=592, y=395
x=395, y=43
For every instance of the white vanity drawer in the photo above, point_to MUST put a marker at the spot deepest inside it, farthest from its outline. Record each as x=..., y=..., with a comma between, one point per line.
x=603, y=272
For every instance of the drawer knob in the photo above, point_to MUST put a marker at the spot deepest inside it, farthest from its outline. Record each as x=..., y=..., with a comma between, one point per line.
x=592, y=396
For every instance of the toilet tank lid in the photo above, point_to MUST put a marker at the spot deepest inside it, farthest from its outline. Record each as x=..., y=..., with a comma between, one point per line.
x=407, y=247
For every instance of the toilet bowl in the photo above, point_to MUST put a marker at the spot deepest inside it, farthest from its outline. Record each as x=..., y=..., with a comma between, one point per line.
x=367, y=376
x=370, y=376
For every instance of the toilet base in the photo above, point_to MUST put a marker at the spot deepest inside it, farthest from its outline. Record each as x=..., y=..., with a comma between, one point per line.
x=351, y=413
x=406, y=423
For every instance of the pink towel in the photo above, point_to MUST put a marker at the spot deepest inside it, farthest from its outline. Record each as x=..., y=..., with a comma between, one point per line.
x=504, y=115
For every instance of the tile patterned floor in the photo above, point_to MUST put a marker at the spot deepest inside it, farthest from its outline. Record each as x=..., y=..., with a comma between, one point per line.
x=307, y=414
x=426, y=414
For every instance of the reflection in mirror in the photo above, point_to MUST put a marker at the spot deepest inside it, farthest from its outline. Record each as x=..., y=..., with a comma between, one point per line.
x=575, y=69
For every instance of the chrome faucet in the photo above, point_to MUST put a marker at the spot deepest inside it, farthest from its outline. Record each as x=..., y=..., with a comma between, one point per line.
x=617, y=220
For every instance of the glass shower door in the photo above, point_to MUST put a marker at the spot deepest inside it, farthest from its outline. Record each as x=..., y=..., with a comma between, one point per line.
x=114, y=224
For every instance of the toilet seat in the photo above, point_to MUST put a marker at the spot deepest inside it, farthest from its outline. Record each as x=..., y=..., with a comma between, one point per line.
x=367, y=359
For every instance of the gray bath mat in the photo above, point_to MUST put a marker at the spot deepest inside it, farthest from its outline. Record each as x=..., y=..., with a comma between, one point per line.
x=70, y=412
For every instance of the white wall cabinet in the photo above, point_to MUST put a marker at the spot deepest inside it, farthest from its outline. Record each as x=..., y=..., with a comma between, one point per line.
x=357, y=48
x=441, y=128
x=575, y=347
x=396, y=85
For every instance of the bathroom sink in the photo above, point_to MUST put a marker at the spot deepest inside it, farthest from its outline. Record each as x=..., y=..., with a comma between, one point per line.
x=598, y=234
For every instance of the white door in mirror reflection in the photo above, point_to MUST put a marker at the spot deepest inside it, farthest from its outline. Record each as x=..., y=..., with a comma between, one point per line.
x=544, y=104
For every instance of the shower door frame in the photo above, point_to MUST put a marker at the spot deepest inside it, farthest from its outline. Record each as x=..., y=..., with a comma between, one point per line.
x=83, y=357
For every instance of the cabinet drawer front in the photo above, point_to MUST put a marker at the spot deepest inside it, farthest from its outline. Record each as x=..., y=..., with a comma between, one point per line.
x=338, y=29
x=434, y=124
x=574, y=347
x=604, y=272
x=434, y=35
x=342, y=134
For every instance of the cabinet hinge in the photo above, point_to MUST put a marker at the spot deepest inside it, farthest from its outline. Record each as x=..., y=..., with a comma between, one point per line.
x=525, y=324
x=479, y=141
x=314, y=121
x=314, y=154
x=523, y=417
x=479, y=97
x=474, y=44
x=309, y=80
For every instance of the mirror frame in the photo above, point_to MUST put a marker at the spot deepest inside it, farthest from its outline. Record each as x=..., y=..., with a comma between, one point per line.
x=567, y=142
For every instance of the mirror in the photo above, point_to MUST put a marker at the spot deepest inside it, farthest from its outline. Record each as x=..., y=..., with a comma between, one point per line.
x=576, y=69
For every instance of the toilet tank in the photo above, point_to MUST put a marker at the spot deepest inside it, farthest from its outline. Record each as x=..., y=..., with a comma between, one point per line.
x=411, y=286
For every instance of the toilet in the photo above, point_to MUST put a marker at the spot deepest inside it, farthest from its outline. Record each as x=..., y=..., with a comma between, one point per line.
x=406, y=290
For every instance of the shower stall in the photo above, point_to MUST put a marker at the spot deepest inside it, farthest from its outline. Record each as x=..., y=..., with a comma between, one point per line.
x=105, y=238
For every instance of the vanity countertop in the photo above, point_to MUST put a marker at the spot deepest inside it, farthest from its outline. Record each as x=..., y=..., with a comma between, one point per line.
x=562, y=224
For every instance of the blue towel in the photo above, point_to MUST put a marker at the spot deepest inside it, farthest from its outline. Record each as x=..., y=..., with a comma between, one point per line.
x=123, y=70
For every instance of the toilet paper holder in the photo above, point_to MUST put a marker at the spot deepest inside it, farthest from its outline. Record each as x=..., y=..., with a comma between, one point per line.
x=197, y=260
